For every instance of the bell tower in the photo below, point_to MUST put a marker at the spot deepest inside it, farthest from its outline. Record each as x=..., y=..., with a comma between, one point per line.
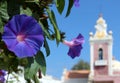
x=101, y=49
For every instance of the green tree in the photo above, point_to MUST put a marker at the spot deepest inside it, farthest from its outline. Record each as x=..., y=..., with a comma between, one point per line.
x=81, y=65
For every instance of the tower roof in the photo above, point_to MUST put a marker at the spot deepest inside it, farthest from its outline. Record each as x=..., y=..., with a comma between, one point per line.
x=76, y=74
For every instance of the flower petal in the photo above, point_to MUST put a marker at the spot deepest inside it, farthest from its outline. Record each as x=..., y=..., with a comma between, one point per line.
x=76, y=2
x=8, y=33
x=23, y=50
x=78, y=40
x=16, y=23
x=75, y=51
x=10, y=42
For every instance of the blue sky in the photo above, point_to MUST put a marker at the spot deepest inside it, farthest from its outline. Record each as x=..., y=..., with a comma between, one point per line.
x=82, y=20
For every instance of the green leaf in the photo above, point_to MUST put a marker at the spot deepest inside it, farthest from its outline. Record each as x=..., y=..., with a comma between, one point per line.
x=35, y=78
x=3, y=15
x=45, y=30
x=32, y=70
x=69, y=7
x=53, y=22
x=1, y=26
x=9, y=63
x=33, y=67
x=23, y=62
x=60, y=5
x=3, y=61
x=31, y=0
x=13, y=7
x=26, y=11
x=27, y=70
x=3, y=11
x=41, y=61
x=36, y=15
x=30, y=61
x=47, y=49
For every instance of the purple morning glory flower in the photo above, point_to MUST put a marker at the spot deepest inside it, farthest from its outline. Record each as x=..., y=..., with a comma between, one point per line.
x=75, y=46
x=76, y=3
x=23, y=36
x=2, y=76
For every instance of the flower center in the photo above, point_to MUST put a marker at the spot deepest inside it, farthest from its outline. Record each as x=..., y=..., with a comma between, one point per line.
x=20, y=38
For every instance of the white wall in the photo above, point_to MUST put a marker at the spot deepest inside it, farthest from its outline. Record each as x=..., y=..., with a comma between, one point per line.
x=75, y=80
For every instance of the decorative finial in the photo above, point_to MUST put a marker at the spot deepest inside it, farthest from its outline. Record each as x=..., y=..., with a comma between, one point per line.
x=100, y=19
x=110, y=32
x=91, y=34
x=100, y=15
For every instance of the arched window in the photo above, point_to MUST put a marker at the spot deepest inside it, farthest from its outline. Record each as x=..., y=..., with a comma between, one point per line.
x=100, y=52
